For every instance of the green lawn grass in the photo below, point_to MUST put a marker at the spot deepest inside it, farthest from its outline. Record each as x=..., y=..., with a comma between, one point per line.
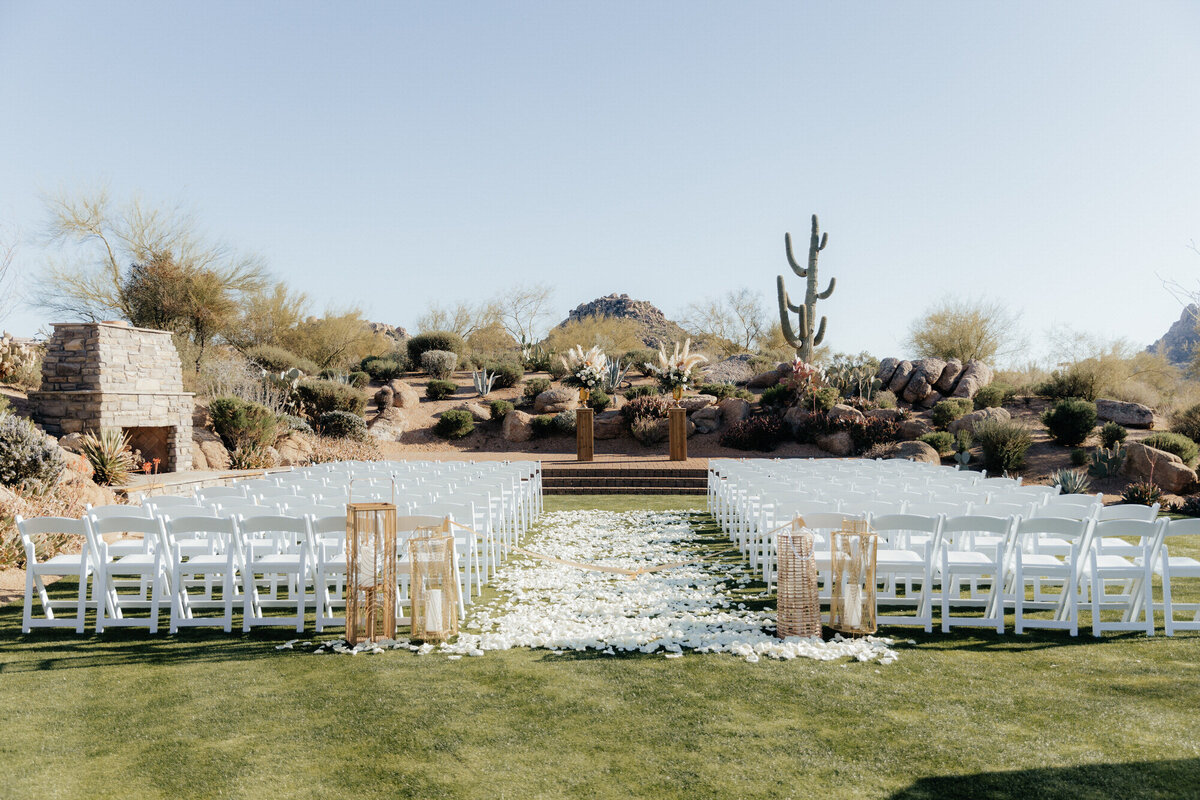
x=971, y=714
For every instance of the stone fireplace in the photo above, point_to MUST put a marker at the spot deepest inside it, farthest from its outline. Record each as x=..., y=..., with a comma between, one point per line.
x=110, y=375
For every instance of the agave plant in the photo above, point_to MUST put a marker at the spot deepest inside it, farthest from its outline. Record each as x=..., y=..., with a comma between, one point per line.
x=675, y=371
x=107, y=450
x=484, y=381
x=1072, y=481
x=615, y=375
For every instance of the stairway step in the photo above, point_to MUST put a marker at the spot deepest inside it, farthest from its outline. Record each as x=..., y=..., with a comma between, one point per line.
x=629, y=489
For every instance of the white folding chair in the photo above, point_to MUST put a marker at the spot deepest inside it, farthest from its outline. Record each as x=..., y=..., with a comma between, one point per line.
x=1034, y=566
x=145, y=569
x=960, y=559
x=200, y=553
x=904, y=556
x=274, y=560
x=1129, y=576
x=1171, y=568
x=61, y=566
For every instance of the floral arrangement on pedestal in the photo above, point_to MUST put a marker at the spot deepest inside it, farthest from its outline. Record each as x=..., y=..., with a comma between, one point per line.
x=586, y=370
x=674, y=372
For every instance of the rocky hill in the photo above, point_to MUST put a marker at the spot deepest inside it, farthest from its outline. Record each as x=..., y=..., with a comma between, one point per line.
x=657, y=330
x=1180, y=340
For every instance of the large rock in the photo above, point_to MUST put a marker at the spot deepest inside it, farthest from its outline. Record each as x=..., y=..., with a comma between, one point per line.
x=707, y=420
x=77, y=464
x=892, y=414
x=477, y=411
x=388, y=425
x=1165, y=469
x=887, y=368
x=968, y=422
x=518, y=426
x=917, y=451
x=764, y=380
x=556, y=401
x=735, y=370
x=918, y=388
x=384, y=397
x=208, y=452
x=946, y=382
x=87, y=491
x=71, y=442
x=295, y=449
x=794, y=417
x=913, y=428
x=1131, y=415
x=696, y=402
x=838, y=443
x=1178, y=344
x=842, y=411
x=931, y=400
x=931, y=368
x=403, y=395
x=608, y=425
x=975, y=376
x=904, y=371
x=733, y=409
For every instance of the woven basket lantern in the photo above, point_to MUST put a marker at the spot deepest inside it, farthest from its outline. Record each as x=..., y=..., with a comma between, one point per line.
x=852, y=604
x=434, y=584
x=799, y=605
x=370, y=571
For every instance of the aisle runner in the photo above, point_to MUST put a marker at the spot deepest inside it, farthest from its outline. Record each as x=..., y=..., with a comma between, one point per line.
x=549, y=604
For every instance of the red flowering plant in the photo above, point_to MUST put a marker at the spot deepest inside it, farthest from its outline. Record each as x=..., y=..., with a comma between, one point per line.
x=804, y=382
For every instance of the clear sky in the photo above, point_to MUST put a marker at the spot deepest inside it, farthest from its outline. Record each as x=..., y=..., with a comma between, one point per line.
x=393, y=155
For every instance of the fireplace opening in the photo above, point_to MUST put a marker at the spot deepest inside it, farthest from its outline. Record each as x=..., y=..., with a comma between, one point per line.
x=152, y=443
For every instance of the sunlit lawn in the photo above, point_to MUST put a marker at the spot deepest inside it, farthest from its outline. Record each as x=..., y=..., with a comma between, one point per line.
x=973, y=714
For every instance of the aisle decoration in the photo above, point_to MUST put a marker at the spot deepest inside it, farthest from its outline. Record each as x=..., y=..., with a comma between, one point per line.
x=799, y=605
x=852, y=610
x=370, y=572
x=586, y=371
x=675, y=372
x=434, y=584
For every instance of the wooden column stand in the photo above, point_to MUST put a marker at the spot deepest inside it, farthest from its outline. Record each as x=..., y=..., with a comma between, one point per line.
x=677, y=421
x=585, y=444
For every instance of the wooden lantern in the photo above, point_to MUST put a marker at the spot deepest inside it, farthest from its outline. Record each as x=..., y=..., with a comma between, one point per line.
x=433, y=587
x=852, y=604
x=677, y=431
x=370, y=572
x=799, y=605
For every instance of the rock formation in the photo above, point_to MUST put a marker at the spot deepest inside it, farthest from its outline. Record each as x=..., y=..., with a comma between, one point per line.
x=657, y=330
x=927, y=380
x=1180, y=340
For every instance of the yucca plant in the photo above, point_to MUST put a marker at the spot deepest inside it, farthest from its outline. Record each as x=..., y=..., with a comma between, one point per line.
x=1072, y=481
x=107, y=450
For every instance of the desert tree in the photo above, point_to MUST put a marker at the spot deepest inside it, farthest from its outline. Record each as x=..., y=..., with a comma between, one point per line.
x=524, y=310
x=735, y=322
x=8, y=278
x=463, y=318
x=985, y=330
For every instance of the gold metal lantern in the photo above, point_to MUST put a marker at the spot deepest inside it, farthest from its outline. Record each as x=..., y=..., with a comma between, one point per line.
x=434, y=584
x=799, y=606
x=370, y=571
x=852, y=605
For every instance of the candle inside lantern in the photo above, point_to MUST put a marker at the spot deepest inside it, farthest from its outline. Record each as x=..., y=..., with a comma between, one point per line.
x=433, y=610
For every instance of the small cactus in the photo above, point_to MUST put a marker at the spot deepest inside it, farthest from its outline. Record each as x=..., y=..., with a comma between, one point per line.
x=1106, y=462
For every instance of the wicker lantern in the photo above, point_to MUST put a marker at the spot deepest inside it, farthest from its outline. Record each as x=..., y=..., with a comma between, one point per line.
x=799, y=609
x=370, y=571
x=434, y=584
x=852, y=604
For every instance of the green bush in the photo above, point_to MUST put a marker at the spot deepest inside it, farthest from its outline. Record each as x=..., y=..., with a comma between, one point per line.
x=652, y=406
x=28, y=457
x=554, y=424
x=435, y=340
x=454, y=424
x=1112, y=434
x=241, y=423
x=1071, y=421
x=723, y=390
x=778, y=397
x=1187, y=422
x=440, y=390
x=318, y=396
x=646, y=390
x=294, y=423
x=993, y=396
x=1079, y=457
x=107, y=450
x=276, y=359
x=885, y=399
x=1175, y=443
x=342, y=425
x=1142, y=493
x=359, y=380
x=946, y=411
x=599, y=401
x=508, y=373
x=1070, y=383
x=822, y=399
x=500, y=409
x=556, y=369
x=941, y=441
x=1004, y=444
x=534, y=387
x=439, y=363
x=382, y=369
x=637, y=360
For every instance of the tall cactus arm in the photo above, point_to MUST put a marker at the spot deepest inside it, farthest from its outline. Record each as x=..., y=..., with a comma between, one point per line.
x=820, y=337
x=796, y=268
x=814, y=243
x=825, y=294
x=785, y=322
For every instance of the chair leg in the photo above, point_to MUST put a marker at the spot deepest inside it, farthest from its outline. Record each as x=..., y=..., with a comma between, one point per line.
x=81, y=604
x=1168, y=611
x=1147, y=596
x=27, y=615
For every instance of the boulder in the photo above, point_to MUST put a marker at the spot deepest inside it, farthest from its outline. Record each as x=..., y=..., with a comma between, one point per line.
x=968, y=422
x=556, y=401
x=208, y=448
x=931, y=400
x=388, y=425
x=887, y=368
x=842, y=411
x=735, y=370
x=71, y=442
x=764, y=380
x=1165, y=469
x=917, y=389
x=87, y=490
x=384, y=397
x=946, y=382
x=914, y=428
x=294, y=448
x=77, y=464
x=917, y=451
x=734, y=409
x=707, y=419
x=608, y=425
x=696, y=402
x=403, y=395
x=794, y=417
x=975, y=376
x=1131, y=415
x=838, y=443
x=478, y=412
x=904, y=371
x=894, y=414
x=518, y=426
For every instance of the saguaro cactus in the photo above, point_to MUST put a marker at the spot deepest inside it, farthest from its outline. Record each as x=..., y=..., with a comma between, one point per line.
x=806, y=336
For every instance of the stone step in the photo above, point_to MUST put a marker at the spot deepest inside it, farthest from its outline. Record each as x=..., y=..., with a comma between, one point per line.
x=629, y=489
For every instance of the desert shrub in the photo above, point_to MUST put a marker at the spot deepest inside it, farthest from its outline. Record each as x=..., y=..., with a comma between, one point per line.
x=447, y=341
x=638, y=358
x=326, y=449
x=1175, y=443
x=1079, y=457
x=599, y=401
x=5, y=406
x=277, y=359
x=1188, y=506
x=107, y=450
x=500, y=409
x=319, y=396
x=543, y=425
x=440, y=390
x=762, y=433
x=61, y=500
x=1004, y=444
x=1113, y=434
x=963, y=329
x=359, y=380
x=1070, y=421
x=885, y=399
x=1142, y=493
x=1187, y=422
x=556, y=369
x=439, y=363
x=293, y=423
x=612, y=334
x=867, y=433
x=1071, y=382
x=650, y=406
x=454, y=424
x=508, y=373
x=648, y=430
x=534, y=387
x=382, y=369
x=564, y=423
x=28, y=457
x=994, y=395
x=808, y=426
x=1106, y=462
x=778, y=397
x=1071, y=481
x=251, y=456
x=645, y=390
x=942, y=441
x=821, y=399
x=242, y=423
x=342, y=425
x=950, y=409
x=723, y=390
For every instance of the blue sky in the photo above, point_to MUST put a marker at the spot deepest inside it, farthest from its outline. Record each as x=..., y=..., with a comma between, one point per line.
x=395, y=155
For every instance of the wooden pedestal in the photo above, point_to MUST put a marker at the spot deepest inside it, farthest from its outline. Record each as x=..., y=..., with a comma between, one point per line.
x=585, y=445
x=677, y=420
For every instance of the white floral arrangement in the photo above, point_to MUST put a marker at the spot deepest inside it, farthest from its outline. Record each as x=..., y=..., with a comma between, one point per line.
x=675, y=371
x=587, y=370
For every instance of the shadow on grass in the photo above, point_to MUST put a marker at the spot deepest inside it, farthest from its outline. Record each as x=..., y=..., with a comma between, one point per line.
x=1173, y=778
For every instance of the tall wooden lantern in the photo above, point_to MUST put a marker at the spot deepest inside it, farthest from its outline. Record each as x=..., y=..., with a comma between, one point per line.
x=799, y=606
x=677, y=431
x=370, y=571
x=434, y=584
x=852, y=605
